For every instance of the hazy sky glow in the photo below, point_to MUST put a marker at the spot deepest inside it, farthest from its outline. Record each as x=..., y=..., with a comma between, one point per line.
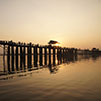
x=74, y=23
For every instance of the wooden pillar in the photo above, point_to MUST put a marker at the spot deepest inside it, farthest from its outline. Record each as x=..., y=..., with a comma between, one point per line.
x=24, y=56
x=60, y=55
x=49, y=55
x=57, y=53
x=12, y=59
x=70, y=54
x=27, y=56
x=54, y=56
x=41, y=56
x=45, y=55
x=4, y=57
x=67, y=54
x=35, y=56
x=75, y=51
x=16, y=57
x=30, y=56
x=21, y=57
x=8, y=58
x=63, y=55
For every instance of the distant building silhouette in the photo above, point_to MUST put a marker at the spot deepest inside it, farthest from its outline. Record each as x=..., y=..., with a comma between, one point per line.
x=52, y=42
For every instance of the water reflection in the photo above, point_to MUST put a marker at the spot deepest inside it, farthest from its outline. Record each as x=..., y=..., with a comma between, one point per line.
x=20, y=64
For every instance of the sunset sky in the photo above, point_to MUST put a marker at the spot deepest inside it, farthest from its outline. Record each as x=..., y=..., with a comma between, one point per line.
x=74, y=23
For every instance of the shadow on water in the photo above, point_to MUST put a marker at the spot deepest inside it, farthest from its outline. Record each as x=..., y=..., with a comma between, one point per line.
x=26, y=63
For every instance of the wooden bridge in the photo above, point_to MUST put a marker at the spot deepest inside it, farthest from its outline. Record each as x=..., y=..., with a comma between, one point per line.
x=27, y=51
x=22, y=53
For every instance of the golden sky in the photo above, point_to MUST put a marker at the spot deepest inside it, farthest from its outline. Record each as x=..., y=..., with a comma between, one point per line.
x=74, y=23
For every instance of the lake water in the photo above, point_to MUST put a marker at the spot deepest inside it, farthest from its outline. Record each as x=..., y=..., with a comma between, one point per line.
x=78, y=80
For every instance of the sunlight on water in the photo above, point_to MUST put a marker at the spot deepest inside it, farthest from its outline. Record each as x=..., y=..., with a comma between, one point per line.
x=56, y=61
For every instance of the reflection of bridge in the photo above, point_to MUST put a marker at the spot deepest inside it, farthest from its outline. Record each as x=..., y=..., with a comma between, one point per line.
x=29, y=55
x=53, y=68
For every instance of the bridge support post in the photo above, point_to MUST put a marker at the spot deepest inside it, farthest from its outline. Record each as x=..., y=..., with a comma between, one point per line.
x=60, y=55
x=54, y=56
x=21, y=57
x=30, y=56
x=4, y=57
x=16, y=57
x=45, y=53
x=49, y=55
x=8, y=58
x=41, y=56
x=35, y=56
x=63, y=55
x=12, y=60
x=24, y=56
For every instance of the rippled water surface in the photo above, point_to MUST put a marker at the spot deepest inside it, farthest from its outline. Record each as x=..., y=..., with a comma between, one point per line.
x=72, y=81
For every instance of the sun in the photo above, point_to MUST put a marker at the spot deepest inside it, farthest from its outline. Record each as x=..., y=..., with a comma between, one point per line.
x=57, y=44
